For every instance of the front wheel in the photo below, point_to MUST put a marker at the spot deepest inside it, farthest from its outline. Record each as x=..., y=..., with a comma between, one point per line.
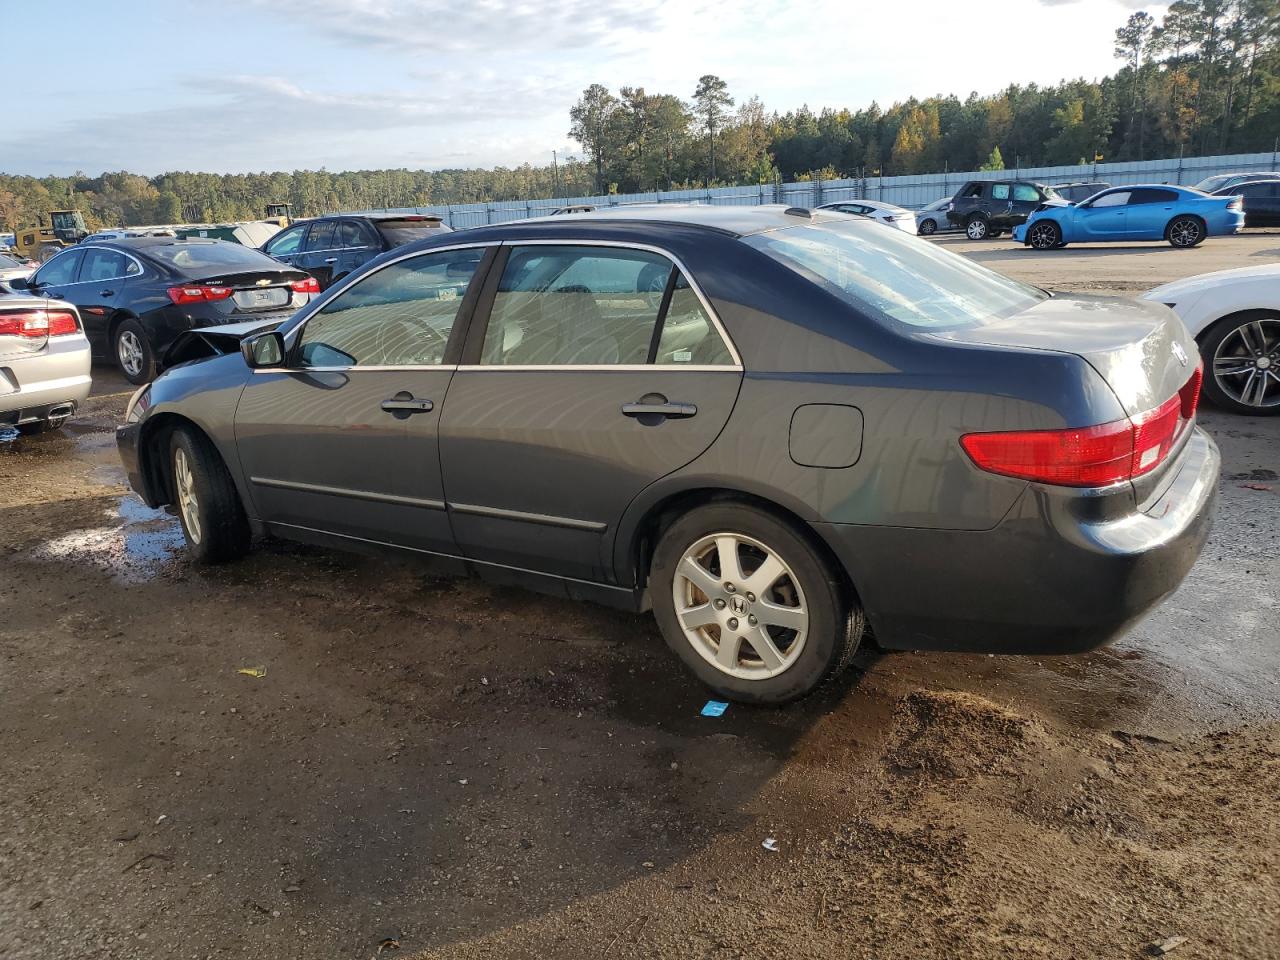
x=1045, y=235
x=750, y=606
x=977, y=228
x=1242, y=363
x=928, y=227
x=209, y=507
x=1185, y=232
x=133, y=352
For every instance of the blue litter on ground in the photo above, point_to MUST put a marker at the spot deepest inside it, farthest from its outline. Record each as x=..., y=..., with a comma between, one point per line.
x=714, y=708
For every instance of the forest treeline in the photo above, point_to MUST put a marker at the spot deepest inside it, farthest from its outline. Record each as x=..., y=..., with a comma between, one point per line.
x=1203, y=79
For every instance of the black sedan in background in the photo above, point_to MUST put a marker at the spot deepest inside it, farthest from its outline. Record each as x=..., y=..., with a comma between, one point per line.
x=136, y=295
x=1261, y=200
x=331, y=247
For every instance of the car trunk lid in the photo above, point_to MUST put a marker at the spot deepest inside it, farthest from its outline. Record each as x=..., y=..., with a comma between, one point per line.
x=256, y=290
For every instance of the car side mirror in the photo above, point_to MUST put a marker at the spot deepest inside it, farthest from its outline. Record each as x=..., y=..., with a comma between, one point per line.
x=263, y=350
x=21, y=283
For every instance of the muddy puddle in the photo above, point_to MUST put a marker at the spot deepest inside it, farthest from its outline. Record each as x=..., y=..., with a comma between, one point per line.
x=134, y=543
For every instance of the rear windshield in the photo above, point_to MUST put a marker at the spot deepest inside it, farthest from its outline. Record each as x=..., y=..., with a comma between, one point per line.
x=895, y=275
x=217, y=255
x=6, y=262
x=398, y=232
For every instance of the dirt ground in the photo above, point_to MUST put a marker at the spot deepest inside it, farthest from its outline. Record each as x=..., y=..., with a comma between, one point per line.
x=442, y=769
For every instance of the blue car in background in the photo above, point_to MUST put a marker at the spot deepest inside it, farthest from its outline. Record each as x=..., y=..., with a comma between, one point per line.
x=1180, y=215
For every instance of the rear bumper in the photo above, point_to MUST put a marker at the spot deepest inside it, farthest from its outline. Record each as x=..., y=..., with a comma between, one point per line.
x=31, y=385
x=1045, y=581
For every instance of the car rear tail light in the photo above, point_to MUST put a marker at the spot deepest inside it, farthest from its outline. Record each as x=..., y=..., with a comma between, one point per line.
x=38, y=324
x=309, y=285
x=1088, y=456
x=201, y=293
x=1237, y=203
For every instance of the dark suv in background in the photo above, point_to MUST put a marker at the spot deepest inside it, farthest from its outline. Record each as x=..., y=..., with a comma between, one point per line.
x=988, y=208
x=331, y=247
x=1261, y=200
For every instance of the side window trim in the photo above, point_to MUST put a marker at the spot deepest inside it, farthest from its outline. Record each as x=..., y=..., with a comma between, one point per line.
x=457, y=335
x=479, y=322
x=127, y=258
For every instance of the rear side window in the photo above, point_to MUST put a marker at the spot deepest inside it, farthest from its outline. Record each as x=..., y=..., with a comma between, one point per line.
x=889, y=274
x=1258, y=190
x=401, y=315
x=353, y=234
x=1151, y=195
x=102, y=264
x=397, y=232
x=1024, y=191
x=596, y=306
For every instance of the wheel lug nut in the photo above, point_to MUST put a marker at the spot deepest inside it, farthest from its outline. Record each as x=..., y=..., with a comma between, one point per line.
x=719, y=604
x=751, y=598
x=729, y=588
x=751, y=620
x=733, y=623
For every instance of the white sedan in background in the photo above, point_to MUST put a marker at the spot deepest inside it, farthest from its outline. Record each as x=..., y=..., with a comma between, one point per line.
x=1235, y=317
x=894, y=216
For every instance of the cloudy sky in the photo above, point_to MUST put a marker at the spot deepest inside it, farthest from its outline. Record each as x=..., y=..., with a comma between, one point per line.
x=247, y=85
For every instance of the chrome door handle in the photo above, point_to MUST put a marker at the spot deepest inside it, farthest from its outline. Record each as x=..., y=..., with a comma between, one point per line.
x=671, y=411
x=107, y=293
x=405, y=403
x=330, y=259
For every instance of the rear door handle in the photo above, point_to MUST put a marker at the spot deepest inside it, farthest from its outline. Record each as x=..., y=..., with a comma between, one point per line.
x=672, y=411
x=405, y=403
x=107, y=293
x=330, y=259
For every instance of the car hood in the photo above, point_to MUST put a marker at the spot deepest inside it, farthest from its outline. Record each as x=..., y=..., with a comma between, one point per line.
x=1181, y=289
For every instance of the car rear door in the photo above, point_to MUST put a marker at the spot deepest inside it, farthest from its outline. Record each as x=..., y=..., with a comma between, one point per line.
x=583, y=381
x=1148, y=212
x=320, y=251
x=343, y=439
x=1024, y=199
x=1261, y=203
x=357, y=245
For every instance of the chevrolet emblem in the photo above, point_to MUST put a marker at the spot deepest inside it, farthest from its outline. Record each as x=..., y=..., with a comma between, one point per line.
x=264, y=282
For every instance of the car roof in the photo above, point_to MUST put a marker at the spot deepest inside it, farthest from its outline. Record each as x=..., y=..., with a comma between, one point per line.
x=378, y=217
x=738, y=221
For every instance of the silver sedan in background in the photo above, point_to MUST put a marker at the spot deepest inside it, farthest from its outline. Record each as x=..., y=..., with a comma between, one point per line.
x=14, y=268
x=933, y=218
x=44, y=363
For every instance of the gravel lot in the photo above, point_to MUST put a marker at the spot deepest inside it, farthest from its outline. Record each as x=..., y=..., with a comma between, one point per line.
x=441, y=768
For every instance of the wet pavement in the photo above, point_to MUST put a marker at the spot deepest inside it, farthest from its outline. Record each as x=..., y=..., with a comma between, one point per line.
x=474, y=771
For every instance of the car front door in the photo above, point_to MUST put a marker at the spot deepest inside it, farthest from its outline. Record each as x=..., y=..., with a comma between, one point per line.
x=286, y=246
x=1261, y=203
x=343, y=439
x=57, y=278
x=1025, y=199
x=1104, y=217
x=588, y=382
x=100, y=291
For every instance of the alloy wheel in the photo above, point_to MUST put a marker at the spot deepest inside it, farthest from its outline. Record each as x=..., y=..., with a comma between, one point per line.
x=185, y=482
x=1043, y=236
x=129, y=350
x=1185, y=232
x=1246, y=364
x=927, y=227
x=740, y=606
x=976, y=229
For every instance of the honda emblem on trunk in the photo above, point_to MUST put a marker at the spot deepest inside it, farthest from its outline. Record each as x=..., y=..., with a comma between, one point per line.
x=1179, y=353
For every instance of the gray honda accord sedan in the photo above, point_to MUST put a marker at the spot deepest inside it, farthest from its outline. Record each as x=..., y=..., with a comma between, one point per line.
x=785, y=432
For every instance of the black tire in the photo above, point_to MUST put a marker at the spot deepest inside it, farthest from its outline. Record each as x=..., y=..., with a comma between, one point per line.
x=133, y=353
x=835, y=622
x=1185, y=232
x=220, y=531
x=977, y=227
x=1210, y=342
x=928, y=227
x=1044, y=235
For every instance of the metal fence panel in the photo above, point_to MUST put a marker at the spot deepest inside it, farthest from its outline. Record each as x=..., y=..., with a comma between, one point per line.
x=912, y=191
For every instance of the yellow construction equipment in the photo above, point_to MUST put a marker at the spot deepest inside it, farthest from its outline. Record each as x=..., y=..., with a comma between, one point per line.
x=279, y=213
x=66, y=227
